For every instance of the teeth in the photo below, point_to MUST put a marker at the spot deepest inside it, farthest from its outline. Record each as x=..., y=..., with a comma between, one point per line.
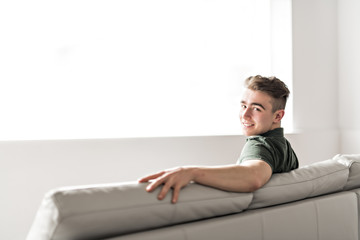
x=247, y=124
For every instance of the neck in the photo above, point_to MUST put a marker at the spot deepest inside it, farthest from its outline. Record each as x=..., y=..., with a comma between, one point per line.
x=276, y=125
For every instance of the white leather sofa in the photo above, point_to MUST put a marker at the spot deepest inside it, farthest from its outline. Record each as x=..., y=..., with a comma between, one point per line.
x=319, y=201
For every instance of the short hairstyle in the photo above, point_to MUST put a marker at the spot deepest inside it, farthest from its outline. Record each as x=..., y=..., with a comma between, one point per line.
x=272, y=86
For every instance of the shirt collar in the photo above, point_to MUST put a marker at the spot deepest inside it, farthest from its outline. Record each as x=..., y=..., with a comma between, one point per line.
x=277, y=132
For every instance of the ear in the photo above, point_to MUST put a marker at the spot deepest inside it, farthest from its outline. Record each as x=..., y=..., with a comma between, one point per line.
x=278, y=115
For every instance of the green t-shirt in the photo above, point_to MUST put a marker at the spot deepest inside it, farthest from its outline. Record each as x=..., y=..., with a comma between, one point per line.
x=273, y=148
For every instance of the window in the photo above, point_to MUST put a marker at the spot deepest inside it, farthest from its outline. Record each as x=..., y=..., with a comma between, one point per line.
x=135, y=68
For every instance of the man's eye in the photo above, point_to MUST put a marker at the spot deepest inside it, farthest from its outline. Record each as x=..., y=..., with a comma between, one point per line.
x=243, y=106
x=257, y=109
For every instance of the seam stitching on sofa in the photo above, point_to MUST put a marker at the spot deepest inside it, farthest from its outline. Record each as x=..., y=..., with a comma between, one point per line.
x=262, y=226
x=317, y=220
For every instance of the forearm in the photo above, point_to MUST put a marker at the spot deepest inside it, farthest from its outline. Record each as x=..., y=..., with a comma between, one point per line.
x=238, y=178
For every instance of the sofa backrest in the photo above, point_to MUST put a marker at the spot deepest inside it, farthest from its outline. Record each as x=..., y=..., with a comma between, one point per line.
x=342, y=172
x=308, y=181
x=100, y=211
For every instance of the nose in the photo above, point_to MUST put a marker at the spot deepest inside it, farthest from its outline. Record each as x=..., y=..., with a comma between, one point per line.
x=245, y=113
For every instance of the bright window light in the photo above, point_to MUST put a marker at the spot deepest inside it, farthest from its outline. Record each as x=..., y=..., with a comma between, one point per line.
x=135, y=68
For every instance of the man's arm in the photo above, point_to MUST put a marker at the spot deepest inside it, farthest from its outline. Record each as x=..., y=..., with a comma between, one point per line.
x=246, y=177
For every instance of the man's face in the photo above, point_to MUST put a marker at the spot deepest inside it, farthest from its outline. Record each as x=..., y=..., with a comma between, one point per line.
x=256, y=114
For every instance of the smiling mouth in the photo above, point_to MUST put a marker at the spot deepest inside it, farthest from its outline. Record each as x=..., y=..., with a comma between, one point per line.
x=248, y=124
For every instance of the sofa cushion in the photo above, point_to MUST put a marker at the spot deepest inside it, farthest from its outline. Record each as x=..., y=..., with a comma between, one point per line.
x=308, y=181
x=353, y=162
x=99, y=211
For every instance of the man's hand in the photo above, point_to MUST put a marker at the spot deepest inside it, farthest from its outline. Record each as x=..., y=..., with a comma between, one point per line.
x=174, y=178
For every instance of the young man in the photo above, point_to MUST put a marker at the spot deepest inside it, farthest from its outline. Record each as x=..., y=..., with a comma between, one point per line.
x=266, y=151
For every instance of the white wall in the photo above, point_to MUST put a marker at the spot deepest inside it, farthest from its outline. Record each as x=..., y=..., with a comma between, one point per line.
x=30, y=168
x=315, y=78
x=349, y=75
x=315, y=64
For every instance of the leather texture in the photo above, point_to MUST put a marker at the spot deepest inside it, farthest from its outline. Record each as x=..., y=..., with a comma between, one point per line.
x=309, y=181
x=353, y=162
x=90, y=212
x=318, y=218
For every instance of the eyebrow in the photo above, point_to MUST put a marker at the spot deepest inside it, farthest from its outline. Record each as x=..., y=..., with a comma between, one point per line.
x=256, y=104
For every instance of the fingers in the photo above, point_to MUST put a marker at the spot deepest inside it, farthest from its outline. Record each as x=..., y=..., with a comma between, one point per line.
x=174, y=179
x=164, y=190
x=152, y=186
x=150, y=177
x=168, y=182
x=176, y=193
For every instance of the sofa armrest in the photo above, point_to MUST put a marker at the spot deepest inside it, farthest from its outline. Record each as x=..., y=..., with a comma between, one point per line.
x=352, y=161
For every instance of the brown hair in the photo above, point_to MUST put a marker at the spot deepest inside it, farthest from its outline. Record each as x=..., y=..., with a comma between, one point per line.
x=272, y=86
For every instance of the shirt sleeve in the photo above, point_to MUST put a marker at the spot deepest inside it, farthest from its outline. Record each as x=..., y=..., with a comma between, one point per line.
x=257, y=148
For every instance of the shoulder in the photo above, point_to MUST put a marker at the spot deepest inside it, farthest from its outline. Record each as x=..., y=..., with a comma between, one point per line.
x=257, y=147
